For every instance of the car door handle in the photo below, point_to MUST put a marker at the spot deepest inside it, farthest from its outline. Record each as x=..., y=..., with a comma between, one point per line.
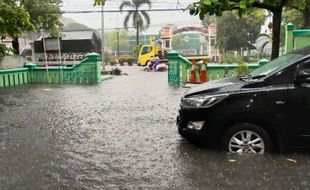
x=280, y=102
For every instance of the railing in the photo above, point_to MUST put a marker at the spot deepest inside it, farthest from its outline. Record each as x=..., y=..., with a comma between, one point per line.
x=14, y=77
x=296, y=38
x=180, y=69
x=86, y=72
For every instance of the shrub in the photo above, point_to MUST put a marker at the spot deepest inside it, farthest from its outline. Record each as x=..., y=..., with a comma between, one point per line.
x=242, y=68
x=106, y=57
x=230, y=58
x=4, y=51
x=116, y=71
x=113, y=62
x=126, y=58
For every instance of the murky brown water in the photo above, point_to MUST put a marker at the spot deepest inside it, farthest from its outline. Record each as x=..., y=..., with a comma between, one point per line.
x=121, y=134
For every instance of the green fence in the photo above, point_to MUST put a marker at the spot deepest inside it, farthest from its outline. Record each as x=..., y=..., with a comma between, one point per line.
x=295, y=38
x=86, y=72
x=179, y=69
x=13, y=77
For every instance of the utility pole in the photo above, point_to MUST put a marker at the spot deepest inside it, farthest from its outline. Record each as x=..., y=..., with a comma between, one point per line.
x=117, y=37
x=102, y=36
x=137, y=28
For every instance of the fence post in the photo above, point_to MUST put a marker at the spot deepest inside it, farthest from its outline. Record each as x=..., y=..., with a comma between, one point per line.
x=173, y=68
x=289, y=38
x=30, y=66
x=93, y=59
x=263, y=62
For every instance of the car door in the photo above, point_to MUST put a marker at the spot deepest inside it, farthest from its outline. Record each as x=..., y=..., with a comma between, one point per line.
x=299, y=116
x=275, y=103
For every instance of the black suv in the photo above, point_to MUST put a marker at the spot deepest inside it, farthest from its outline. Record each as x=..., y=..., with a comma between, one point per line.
x=265, y=110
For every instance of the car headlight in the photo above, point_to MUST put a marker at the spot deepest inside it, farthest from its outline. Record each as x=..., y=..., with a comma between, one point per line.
x=203, y=100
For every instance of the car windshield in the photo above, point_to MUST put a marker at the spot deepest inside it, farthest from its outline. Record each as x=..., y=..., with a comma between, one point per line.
x=280, y=63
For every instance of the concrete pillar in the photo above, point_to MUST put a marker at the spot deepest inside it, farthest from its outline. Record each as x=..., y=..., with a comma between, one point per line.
x=289, y=38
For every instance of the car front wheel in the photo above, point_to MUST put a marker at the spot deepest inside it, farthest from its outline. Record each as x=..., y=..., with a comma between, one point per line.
x=247, y=138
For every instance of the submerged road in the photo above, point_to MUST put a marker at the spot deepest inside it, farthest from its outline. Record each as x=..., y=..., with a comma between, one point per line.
x=121, y=134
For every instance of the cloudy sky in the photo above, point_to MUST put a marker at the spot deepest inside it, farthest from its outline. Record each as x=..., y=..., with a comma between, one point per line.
x=115, y=20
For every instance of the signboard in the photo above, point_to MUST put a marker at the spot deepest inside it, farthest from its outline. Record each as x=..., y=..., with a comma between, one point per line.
x=200, y=29
x=53, y=58
x=51, y=44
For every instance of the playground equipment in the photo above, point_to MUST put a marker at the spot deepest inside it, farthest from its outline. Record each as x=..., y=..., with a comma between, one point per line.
x=296, y=38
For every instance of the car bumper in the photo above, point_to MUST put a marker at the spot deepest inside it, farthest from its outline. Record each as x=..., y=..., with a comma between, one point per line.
x=191, y=134
x=207, y=135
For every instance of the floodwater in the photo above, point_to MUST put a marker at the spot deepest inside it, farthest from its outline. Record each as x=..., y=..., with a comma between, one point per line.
x=121, y=134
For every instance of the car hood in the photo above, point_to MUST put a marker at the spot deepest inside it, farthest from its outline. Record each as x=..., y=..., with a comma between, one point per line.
x=226, y=85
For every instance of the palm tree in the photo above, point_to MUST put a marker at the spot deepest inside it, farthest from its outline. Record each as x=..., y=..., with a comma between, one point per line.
x=138, y=16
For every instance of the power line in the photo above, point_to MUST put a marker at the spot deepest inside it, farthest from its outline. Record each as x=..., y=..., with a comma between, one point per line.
x=108, y=11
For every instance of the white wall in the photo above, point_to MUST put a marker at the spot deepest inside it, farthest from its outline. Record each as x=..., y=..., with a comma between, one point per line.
x=12, y=62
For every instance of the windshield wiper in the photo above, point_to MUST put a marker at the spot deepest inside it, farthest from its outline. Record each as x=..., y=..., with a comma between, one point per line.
x=249, y=77
x=245, y=77
x=258, y=76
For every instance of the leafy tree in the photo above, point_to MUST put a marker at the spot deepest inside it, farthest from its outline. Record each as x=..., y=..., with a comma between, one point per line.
x=138, y=16
x=112, y=40
x=216, y=7
x=44, y=14
x=234, y=32
x=178, y=41
x=293, y=16
x=302, y=14
x=14, y=19
x=99, y=2
x=23, y=15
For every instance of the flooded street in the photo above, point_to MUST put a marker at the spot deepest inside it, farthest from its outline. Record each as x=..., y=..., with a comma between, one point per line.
x=121, y=134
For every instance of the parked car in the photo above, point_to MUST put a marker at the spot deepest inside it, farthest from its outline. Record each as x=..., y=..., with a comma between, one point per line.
x=262, y=111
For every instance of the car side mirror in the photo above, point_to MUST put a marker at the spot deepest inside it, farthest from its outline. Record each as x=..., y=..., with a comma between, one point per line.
x=302, y=76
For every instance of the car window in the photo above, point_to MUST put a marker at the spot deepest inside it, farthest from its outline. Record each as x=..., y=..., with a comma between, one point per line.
x=283, y=77
x=305, y=65
x=281, y=62
x=146, y=50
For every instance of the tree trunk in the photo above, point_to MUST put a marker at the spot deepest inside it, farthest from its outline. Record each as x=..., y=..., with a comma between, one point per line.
x=307, y=18
x=276, y=20
x=15, y=45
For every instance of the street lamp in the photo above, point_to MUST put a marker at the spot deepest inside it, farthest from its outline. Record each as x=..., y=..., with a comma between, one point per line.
x=102, y=35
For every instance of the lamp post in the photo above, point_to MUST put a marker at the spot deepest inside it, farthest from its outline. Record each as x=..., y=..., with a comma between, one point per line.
x=102, y=36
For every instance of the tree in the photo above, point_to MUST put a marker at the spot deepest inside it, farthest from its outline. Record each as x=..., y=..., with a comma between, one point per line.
x=234, y=32
x=302, y=14
x=14, y=19
x=216, y=7
x=137, y=15
x=99, y=2
x=23, y=15
x=178, y=41
x=293, y=16
x=118, y=40
x=44, y=14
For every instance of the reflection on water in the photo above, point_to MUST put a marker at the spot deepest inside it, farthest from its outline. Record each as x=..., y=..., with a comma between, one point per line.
x=120, y=134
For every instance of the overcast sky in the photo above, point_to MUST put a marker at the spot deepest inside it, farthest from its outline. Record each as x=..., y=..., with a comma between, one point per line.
x=115, y=20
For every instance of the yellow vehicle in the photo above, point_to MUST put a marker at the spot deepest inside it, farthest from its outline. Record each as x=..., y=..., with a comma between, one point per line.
x=148, y=52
